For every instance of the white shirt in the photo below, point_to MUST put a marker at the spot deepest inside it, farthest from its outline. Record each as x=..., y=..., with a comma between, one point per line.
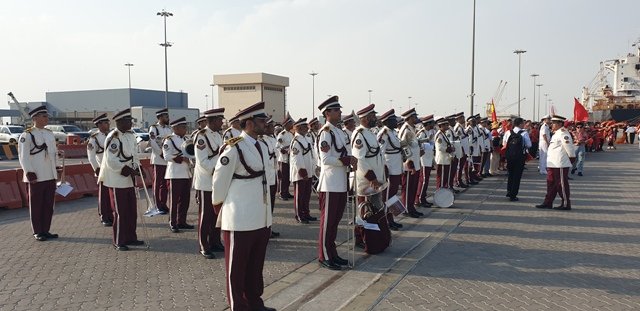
x=157, y=134
x=41, y=161
x=333, y=146
x=545, y=132
x=408, y=137
x=525, y=137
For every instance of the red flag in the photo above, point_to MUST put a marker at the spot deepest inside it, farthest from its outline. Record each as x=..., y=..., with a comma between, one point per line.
x=494, y=118
x=580, y=114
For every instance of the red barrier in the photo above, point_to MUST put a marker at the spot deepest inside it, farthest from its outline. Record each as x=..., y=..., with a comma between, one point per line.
x=10, y=195
x=82, y=179
x=8, y=151
x=74, y=151
x=73, y=139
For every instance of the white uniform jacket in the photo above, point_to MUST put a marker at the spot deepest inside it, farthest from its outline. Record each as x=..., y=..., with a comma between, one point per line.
x=121, y=151
x=474, y=141
x=207, y=145
x=283, y=143
x=390, y=145
x=561, y=148
x=370, y=160
x=95, y=149
x=157, y=134
x=313, y=139
x=408, y=138
x=544, y=132
x=333, y=146
x=463, y=137
x=301, y=163
x=457, y=153
x=170, y=150
x=426, y=138
x=240, y=185
x=230, y=133
x=442, y=143
x=38, y=154
x=272, y=166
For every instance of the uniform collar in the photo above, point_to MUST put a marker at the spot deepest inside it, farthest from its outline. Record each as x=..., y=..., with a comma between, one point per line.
x=248, y=138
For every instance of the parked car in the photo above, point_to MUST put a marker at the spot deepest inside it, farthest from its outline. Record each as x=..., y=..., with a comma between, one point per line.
x=10, y=133
x=140, y=133
x=61, y=131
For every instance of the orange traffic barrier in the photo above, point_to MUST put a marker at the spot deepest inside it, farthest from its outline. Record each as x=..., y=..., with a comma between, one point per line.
x=73, y=139
x=82, y=179
x=8, y=151
x=74, y=151
x=10, y=194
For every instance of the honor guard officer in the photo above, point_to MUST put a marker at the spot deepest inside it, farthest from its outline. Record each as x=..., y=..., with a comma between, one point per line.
x=242, y=196
x=233, y=130
x=312, y=137
x=457, y=153
x=178, y=174
x=475, y=149
x=560, y=157
x=202, y=123
x=348, y=125
x=157, y=133
x=463, y=164
x=412, y=151
x=390, y=147
x=302, y=166
x=95, y=152
x=485, y=132
x=369, y=177
x=545, y=138
x=444, y=153
x=38, y=154
x=120, y=164
x=425, y=138
x=336, y=159
x=207, y=146
x=270, y=142
x=284, y=142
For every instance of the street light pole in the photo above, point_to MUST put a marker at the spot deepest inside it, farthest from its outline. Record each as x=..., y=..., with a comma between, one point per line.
x=391, y=104
x=409, y=102
x=519, y=52
x=313, y=93
x=129, y=68
x=538, y=116
x=166, y=45
x=546, y=103
x=370, y=96
x=473, y=59
x=206, y=102
x=212, y=97
x=533, y=116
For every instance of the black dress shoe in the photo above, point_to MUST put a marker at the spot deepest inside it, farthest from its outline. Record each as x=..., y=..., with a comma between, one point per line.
x=329, y=265
x=50, y=235
x=218, y=248
x=274, y=234
x=563, y=208
x=264, y=308
x=185, y=226
x=399, y=225
x=40, y=237
x=136, y=242
x=580, y=174
x=513, y=199
x=418, y=213
x=473, y=182
x=310, y=218
x=393, y=228
x=302, y=220
x=489, y=175
x=207, y=254
x=175, y=230
x=456, y=191
x=543, y=206
x=340, y=261
x=163, y=212
x=107, y=223
x=463, y=185
x=573, y=171
x=412, y=215
x=121, y=248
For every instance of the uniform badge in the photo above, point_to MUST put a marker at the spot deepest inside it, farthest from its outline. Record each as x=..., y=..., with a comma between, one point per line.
x=22, y=139
x=295, y=150
x=280, y=140
x=200, y=141
x=358, y=143
x=113, y=148
x=90, y=146
x=324, y=146
x=152, y=135
x=165, y=146
x=566, y=138
x=224, y=160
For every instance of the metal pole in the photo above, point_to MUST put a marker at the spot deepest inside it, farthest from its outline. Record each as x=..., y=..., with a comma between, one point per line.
x=538, y=116
x=370, y=96
x=533, y=116
x=129, y=69
x=313, y=93
x=166, y=45
x=391, y=104
x=473, y=58
x=212, y=98
x=519, y=52
x=206, y=101
x=546, y=103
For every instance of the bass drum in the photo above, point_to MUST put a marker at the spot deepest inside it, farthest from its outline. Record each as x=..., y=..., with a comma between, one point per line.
x=443, y=197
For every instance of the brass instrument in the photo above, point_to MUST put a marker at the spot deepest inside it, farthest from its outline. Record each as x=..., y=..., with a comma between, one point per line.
x=63, y=187
x=187, y=150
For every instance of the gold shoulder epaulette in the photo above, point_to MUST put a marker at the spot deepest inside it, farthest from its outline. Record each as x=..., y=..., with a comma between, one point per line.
x=233, y=141
x=95, y=134
x=29, y=130
x=326, y=128
x=202, y=131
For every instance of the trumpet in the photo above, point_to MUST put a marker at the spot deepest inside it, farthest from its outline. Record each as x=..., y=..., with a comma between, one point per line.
x=63, y=188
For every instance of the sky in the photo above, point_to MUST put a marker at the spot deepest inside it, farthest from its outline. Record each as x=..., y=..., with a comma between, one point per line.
x=397, y=49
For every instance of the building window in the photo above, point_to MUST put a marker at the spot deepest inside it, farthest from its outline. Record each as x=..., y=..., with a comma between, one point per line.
x=242, y=88
x=274, y=89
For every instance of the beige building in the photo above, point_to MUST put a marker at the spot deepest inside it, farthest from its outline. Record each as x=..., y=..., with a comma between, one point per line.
x=238, y=91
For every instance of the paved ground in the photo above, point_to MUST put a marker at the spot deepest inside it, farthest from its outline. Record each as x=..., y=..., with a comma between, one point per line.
x=486, y=253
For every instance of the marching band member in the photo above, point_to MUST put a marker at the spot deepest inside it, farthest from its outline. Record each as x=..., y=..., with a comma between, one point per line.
x=157, y=133
x=201, y=122
x=95, y=152
x=463, y=164
x=241, y=196
x=390, y=146
x=474, y=148
x=119, y=167
x=425, y=136
x=348, y=125
x=302, y=166
x=37, y=153
x=486, y=146
x=179, y=175
x=207, y=141
x=444, y=153
x=270, y=142
x=312, y=137
x=411, y=166
x=457, y=153
x=561, y=155
x=335, y=156
x=284, y=142
x=233, y=130
x=369, y=177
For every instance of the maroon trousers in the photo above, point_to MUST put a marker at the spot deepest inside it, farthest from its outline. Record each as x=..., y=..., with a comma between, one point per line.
x=180, y=190
x=423, y=184
x=475, y=173
x=124, y=215
x=283, y=179
x=409, y=189
x=208, y=234
x=332, y=205
x=463, y=166
x=244, y=253
x=160, y=189
x=442, y=173
x=394, y=184
x=302, y=196
x=558, y=184
x=41, y=200
x=104, y=204
x=272, y=194
x=452, y=173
